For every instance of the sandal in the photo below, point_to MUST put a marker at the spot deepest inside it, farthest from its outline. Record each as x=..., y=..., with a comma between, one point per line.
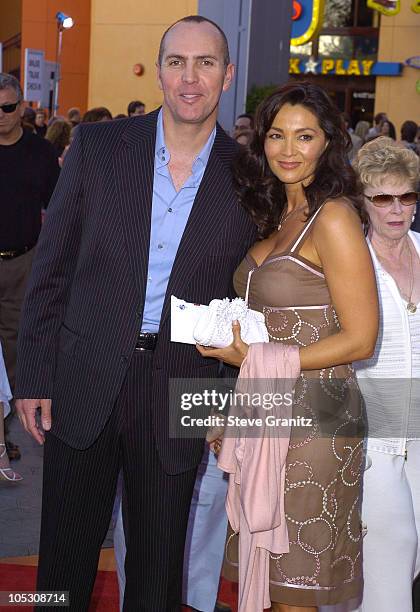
x=7, y=473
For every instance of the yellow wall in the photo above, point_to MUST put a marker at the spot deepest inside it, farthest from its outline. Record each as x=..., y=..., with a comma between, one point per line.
x=398, y=40
x=125, y=33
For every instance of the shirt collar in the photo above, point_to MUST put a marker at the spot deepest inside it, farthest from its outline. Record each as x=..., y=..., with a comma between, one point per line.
x=161, y=152
x=163, y=156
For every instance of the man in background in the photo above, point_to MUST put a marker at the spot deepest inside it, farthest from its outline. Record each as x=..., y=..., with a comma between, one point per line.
x=136, y=108
x=28, y=173
x=74, y=116
x=28, y=119
x=40, y=122
x=243, y=123
x=375, y=130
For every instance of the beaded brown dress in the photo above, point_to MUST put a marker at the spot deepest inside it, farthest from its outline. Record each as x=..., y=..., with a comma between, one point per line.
x=324, y=461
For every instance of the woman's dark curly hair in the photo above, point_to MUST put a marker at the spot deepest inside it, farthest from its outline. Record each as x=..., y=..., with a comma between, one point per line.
x=262, y=194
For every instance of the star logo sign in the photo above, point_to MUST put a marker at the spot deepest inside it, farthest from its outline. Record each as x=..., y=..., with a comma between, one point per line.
x=311, y=66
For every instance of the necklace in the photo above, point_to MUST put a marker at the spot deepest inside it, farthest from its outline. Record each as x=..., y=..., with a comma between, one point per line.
x=411, y=307
x=284, y=217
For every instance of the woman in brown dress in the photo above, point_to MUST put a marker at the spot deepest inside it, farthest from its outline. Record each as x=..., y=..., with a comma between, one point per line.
x=312, y=277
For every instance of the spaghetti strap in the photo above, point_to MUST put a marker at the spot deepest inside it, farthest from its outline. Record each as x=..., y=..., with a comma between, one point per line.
x=248, y=282
x=305, y=229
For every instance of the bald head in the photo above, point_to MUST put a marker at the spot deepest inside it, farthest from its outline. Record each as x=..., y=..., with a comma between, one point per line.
x=206, y=23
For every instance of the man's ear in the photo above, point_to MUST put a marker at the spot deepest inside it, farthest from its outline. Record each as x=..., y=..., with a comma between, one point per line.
x=159, y=80
x=229, y=74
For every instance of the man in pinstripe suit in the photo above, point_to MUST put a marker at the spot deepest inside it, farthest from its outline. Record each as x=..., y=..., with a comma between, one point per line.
x=144, y=208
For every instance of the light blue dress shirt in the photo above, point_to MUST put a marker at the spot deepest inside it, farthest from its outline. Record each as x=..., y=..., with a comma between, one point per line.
x=170, y=212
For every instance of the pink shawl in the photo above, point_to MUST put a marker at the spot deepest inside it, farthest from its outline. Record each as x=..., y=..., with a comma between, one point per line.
x=256, y=467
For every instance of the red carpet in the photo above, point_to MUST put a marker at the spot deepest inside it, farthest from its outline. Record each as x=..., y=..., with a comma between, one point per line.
x=105, y=593
x=22, y=578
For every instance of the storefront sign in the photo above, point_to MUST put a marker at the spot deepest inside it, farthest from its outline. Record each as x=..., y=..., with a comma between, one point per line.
x=386, y=7
x=297, y=10
x=34, y=75
x=306, y=20
x=345, y=67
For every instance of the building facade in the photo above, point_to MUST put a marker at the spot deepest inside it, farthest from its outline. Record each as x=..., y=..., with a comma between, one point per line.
x=32, y=25
x=359, y=56
x=108, y=57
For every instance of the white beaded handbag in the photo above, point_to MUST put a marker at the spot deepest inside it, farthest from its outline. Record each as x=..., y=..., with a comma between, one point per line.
x=214, y=327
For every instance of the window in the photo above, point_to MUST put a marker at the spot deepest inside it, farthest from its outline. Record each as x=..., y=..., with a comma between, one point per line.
x=301, y=50
x=350, y=30
x=365, y=47
x=337, y=13
x=348, y=14
x=335, y=46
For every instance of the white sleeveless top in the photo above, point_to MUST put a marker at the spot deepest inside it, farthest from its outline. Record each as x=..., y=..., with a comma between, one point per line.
x=390, y=379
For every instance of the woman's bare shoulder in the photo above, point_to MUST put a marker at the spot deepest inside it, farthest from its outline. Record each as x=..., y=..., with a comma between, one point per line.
x=336, y=215
x=338, y=206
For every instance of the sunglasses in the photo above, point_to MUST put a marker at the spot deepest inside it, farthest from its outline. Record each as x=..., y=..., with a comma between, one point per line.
x=382, y=200
x=9, y=108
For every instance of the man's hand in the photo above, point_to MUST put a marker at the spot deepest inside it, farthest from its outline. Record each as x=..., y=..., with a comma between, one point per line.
x=234, y=354
x=27, y=408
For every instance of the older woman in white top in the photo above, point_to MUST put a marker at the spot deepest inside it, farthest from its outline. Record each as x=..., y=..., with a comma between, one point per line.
x=390, y=381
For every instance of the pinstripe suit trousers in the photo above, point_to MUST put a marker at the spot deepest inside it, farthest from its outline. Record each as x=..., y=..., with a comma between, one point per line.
x=78, y=495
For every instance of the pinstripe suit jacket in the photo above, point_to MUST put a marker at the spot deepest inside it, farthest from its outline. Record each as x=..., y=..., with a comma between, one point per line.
x=84, y=303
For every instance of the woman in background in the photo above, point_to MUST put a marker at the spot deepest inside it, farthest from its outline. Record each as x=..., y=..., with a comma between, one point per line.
x=387, y=129
x=58, y=134
x=408, y=135
x=390, y=381
x=361, y=130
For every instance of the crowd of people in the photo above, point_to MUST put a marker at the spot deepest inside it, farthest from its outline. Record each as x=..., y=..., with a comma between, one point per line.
x=242, y=131
x=310, y=221
x=364, y=132
x=59, y=130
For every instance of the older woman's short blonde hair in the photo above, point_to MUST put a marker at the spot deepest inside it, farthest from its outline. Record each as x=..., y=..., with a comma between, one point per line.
x=383, y=158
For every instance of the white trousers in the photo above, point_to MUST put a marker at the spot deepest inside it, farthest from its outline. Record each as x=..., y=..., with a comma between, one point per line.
x=391, y=546
x=206, y=535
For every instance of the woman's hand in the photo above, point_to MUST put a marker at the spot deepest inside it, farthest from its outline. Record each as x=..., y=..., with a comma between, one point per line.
x=234, y=354
x=216, y=446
